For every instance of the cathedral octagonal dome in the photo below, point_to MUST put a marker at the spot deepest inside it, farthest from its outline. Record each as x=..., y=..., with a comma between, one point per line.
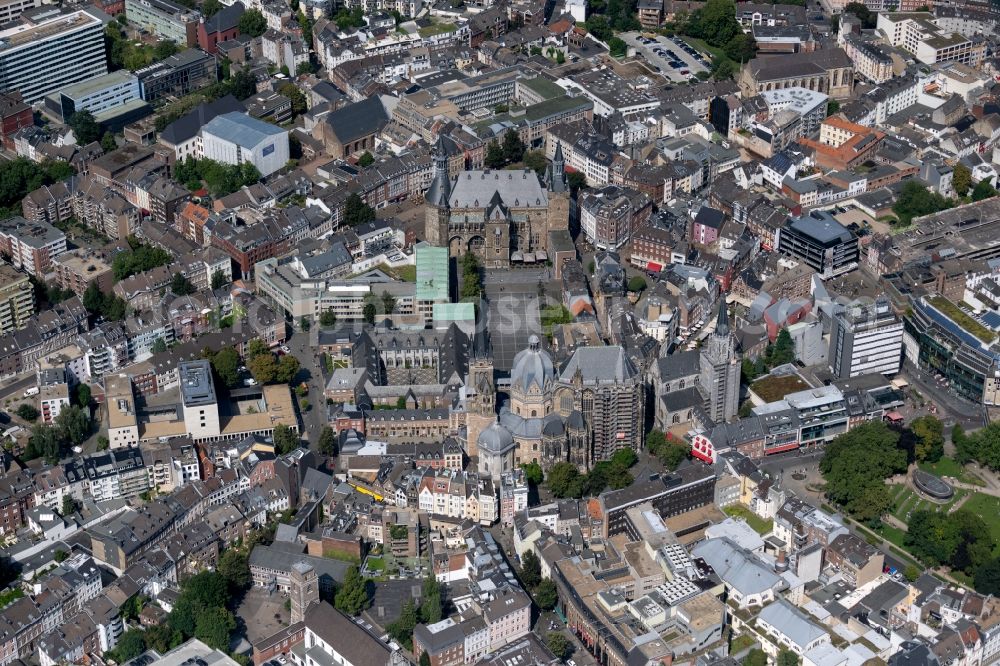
x=532, y=367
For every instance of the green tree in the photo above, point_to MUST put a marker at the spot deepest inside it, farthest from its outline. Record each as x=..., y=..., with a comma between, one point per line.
x=432, y=607
x=130, y=645
x=83, y=396
x=855, y=466
x=987, y=578
x=45, y=442
x=983, y=190
x=366, y=160
x=73, y=424
x=916, y=200
x=494, y=158
x=327, y=318
x=783, y=350
x=227, y=365
x=288, y=368
x=252, y=23
x=264, y=368
x=356, y=211
x=108, y=143
x=868, y=18
x=723, y=69
x=929, y=434
x=27, y=412
x=285, y=439
x=617, y=47
x=624, y=458
x=304, y=323
x=565, y=480
x=513, y=147
x=533, y=473
x=402, y=629
x=213, y=627
x=961, y=179
x=68, y=506
x=234, y=567
x=256, y=347
x=352, y=597
x=85, y=128
x=755, y=657
x=158, y=346
x=911, y=572
x=557, y=644
x=546, y=595
x=576, y=181
x=368, y=312
x=425, y=658
x=327, y=442
x=636, y=283
x=741, y=48
x=219, y=278
x=833, y=106
x=210, y=8
x=787, y=658
x=535, y=160
x=181, y=286
x=531, y=570
x=298, y=98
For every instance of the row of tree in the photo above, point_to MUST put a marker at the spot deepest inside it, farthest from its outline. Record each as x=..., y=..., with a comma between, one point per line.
x=961, y=182
x=52, y=442
x=109, y=306
x=781, y=351
x=220, y=179
x=565, y=480
x=138, y=258
x=20, y=176
x=511, y=150
x=670, y=452
x=982, y=446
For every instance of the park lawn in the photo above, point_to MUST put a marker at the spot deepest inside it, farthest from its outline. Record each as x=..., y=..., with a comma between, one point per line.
x=702, y=45
x=375, y=564
x=755, y=522
x=986, y=507
x=950, y=467
x=893, y=535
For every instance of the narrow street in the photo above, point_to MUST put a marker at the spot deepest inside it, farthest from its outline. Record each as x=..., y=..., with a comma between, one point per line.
x=303, y=348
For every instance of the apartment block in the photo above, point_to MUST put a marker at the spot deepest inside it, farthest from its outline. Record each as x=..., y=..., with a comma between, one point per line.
x=17, y=299
x=77, y=269
x=31, y=245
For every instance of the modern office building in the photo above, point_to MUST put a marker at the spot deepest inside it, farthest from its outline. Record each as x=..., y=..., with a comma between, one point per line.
x=17, y=299
x=165, y=19
x=866, y=339
x=235, y=138
x=10, y=10
x=103, y=95
x=821, y=242
x=201, y=407
x=671, y=494
x=51, y=49
x=178, y=75
x=943, y=339
x=920, y=35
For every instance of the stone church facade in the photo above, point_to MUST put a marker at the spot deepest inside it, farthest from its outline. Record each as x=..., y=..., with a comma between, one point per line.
x=504, y=217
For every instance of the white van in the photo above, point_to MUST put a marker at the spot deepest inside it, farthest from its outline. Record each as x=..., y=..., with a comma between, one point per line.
x=31, y=391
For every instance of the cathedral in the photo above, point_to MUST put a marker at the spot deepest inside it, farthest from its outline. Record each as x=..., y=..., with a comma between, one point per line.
x=503, y=217
x=581, y=413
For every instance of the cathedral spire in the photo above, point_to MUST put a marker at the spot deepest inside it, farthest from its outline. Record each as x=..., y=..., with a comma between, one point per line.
x=558, y=181
x=722, y=322
x=440, y=188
